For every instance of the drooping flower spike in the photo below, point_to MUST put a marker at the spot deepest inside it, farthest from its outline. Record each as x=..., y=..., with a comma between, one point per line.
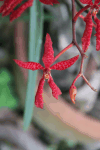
x=94, y=8
x=48, y=60
x=9, y=5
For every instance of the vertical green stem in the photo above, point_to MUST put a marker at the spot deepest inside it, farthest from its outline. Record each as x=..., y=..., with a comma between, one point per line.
x=35, y=40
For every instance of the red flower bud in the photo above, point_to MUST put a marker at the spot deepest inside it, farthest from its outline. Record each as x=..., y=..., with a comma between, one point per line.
x=73, y=92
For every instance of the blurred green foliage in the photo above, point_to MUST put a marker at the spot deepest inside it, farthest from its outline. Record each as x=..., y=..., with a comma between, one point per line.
x=7, y=98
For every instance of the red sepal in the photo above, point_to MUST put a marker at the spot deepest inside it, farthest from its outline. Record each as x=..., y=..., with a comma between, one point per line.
x=48, y=56
x=65, y=64
x=97, y=33
x=86, y=2
x=55, y=90
x=49, y=2
x=7, y=4
x=29, y=65
x=38, y=98
x=10, y=9
x=87, y=33
x=16, y=13
x=96, y=2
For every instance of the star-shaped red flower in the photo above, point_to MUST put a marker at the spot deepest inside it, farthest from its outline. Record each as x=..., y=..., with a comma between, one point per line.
x=9, y=5
x=94, y=8
x=48, y=59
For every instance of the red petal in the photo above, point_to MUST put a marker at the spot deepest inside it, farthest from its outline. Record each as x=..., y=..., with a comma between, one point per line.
x=38, y=98
x=55, y=90
x=48, y=56
x=16, y=13
x=73, y=92
x=96, y=2
x=7, y=4
x=97, y=33
x=7, y=12
x=86, y=2
x=65, y=64
x=28, y=65
x=49, y=2
x=87, y=33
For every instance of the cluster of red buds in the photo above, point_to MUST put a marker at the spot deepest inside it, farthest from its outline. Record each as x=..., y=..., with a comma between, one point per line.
x=48, y=56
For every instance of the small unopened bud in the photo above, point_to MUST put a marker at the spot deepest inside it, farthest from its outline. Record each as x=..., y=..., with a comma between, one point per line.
x=73, y=92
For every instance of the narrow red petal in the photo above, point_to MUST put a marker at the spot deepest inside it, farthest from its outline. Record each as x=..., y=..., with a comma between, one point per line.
x=96, y=2
x=28, y=65
x=7, y=12
x=62, y=65
x=49, y=2
x=7, y=5
x=17, y=13
x=48, y=56
x=38, y=98
x=55, y=90
x=87, y=33
x=97, y=33
x=86, y=2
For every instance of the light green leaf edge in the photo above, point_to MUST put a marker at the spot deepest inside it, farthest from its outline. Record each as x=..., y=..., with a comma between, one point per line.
x=35, y=40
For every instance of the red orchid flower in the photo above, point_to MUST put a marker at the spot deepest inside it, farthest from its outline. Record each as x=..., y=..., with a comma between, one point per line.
x=94, y=8
x=9, y=5
x=48, y=60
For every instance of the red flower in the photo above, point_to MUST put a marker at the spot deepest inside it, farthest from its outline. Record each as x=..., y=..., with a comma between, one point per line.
x=9, y=5
x=48, y=59
x=94, y=8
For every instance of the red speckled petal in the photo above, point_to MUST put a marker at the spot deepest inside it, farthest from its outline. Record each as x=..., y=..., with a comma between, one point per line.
x=49, y=2
x=7, y=4
x=86, y=2
x=97, y=33
x=97, y=1
x=17, y=13
x=65, y=64
x=38, y=98
x=28, y=65
x=48, y=56
x=55, y=90
x=8, y=11
x=87, y=33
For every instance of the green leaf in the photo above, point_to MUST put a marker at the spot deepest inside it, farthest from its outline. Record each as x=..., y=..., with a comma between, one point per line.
x=35, y=40
x=6, y=91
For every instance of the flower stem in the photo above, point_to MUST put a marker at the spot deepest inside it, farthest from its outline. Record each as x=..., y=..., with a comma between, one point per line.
x=82, y=10
x=89, y=83
x=65, y=49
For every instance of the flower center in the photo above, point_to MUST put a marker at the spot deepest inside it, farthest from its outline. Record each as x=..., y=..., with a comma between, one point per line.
x=95, y=9
x=47, y=73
